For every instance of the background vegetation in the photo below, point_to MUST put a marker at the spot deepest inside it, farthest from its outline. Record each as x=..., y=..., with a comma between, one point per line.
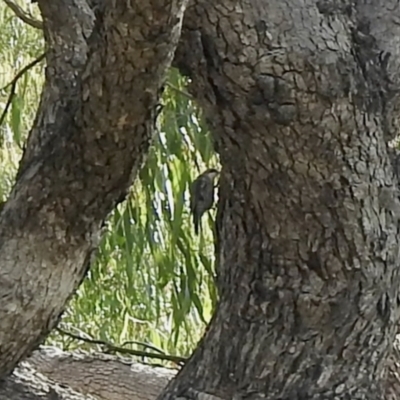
x=152, y=282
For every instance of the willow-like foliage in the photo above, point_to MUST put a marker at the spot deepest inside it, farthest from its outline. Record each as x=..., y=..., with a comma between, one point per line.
x=152, y=281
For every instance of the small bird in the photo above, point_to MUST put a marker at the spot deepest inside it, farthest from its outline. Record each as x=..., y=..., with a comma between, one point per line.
x=202, y=195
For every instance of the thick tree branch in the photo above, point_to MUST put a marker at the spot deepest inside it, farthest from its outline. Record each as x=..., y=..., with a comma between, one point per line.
x=27, y=384
x=104, y=376
x=91, y=135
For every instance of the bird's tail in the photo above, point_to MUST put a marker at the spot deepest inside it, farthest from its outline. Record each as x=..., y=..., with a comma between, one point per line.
x=196, y=223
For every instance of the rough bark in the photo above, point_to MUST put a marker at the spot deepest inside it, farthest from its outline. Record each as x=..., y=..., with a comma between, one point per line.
x=91, y=134
x=102, y=376
x=302, y=98
x=27, y=384
x=79, y=375
x=108, y=377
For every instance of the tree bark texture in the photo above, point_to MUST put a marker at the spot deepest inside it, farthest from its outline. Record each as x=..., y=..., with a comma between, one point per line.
x=302, y=98
x=94, y=125
x=103, y=376
x=110, y=377
x=27, y=384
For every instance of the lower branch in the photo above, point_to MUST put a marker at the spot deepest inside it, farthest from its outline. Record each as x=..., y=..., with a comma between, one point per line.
x=103, y=376
x=107, y=377
x=27, y=384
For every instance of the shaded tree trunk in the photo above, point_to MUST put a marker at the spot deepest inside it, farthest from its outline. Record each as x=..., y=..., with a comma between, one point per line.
x=108, y=377
x=90, y=137
x=302, y=98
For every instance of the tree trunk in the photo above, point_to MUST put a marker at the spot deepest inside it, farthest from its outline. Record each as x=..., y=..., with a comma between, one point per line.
x=91, y=134
x=302, y=98
x=110, y=377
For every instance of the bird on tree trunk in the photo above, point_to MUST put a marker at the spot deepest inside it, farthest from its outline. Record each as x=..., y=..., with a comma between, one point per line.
x=202, y=196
